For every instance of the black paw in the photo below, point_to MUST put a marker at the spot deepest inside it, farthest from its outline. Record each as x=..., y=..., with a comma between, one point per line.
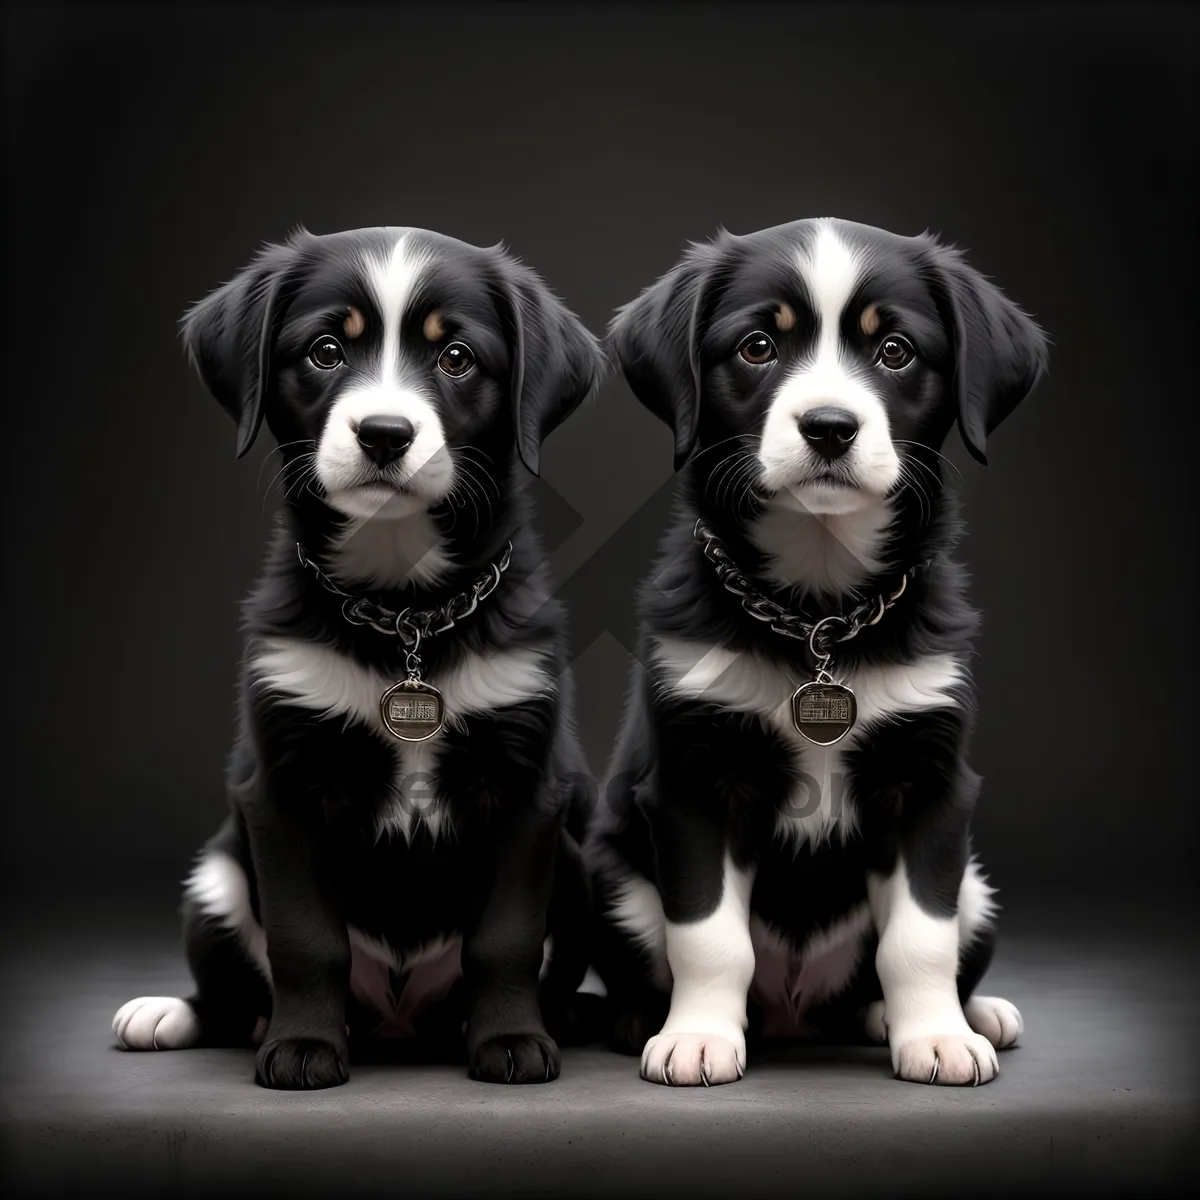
x=516, y=1058
x=300, y=1063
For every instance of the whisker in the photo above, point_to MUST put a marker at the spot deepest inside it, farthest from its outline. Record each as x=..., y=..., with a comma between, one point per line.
x=302, y=460
x=477, y=491
x=931, y=450
x=735, y=463
x=737, y=437
x=925, y=510
x=726, y=466
x=303, y=478
x=471, y=491
x=745, y=480
x=279, y=450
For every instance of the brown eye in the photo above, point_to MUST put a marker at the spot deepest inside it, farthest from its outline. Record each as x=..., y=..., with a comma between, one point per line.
x=895, y=353
x=326, y=353
x=758, y=349
x=456, y=360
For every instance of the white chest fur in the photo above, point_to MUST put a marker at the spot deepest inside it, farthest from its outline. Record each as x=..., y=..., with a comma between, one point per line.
x=320, y=678
x=822, y=801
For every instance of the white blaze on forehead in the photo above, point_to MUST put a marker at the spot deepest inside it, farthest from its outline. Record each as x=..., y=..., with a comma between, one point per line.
x=831, y=271
x=394, y=277
x=391, y=386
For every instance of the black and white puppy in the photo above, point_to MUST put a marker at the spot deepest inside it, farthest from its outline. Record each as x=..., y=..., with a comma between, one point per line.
x=400, y=886
x=810, y=848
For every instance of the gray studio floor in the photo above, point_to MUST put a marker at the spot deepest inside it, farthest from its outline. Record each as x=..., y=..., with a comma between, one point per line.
x=1100, y=1100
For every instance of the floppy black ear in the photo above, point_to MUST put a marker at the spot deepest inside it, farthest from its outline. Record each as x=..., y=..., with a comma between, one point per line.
x=656, y=337
x=1000, y=353
x=556, y=362
x=229, y=335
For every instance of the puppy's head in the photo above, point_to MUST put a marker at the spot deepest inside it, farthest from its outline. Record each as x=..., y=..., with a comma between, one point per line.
x=382, y=357
x=821, y=352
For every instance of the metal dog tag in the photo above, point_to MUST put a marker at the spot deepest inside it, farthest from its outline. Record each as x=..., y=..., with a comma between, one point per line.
x=412, y=711
x=824, y=712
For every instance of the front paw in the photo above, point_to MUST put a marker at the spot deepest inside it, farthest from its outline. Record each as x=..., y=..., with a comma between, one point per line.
x=953, y=1059
x=692, y=1059
x=516, y=1058
x=304, y=1063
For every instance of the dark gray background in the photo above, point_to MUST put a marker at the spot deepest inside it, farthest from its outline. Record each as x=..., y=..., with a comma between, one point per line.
x=150, y=150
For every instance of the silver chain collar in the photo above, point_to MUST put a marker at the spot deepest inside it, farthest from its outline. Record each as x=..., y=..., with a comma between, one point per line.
x=412, y=628
x=818, y=634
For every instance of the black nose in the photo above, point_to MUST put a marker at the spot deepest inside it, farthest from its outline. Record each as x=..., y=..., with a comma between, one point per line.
x=829, y=431
x=385, y=438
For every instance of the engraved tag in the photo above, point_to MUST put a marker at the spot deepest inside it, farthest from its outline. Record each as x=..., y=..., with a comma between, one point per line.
x=412, y=711
x=824, y=712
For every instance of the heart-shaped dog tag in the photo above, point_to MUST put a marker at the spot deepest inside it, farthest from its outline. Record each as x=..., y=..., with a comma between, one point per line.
x=823, y=712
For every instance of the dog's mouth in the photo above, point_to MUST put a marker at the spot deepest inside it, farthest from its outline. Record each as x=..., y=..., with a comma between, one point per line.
x=375, y=498
x=826, y=479
x=379, y=486
x=824, y=491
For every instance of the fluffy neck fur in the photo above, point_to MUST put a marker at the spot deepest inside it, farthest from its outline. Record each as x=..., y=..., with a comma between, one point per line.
x=421, y=559
x=821, y=563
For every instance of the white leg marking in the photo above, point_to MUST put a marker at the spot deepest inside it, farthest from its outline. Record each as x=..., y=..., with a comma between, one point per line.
x=930, y=1038
x=156, y=1023
x=712, y=964
x=976, y=904
x=998, y=1020
x=219, y=888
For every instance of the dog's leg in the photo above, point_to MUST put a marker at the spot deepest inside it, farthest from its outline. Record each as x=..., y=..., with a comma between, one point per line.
x=995, y=1018
x=930, y=1038
x=226, y=951
x=507, y=1040
x=309, y=953
x=917, y=798
x=706, y=900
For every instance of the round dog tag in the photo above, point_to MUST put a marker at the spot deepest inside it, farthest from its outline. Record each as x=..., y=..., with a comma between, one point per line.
x=823, y=712
x=412, y=711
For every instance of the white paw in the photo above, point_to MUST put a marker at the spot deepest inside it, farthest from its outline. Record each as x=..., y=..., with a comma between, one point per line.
x=874, y=1026
x=692, y=1059
x=156, y=1023
x=998, y=1020
x=954, y=1059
